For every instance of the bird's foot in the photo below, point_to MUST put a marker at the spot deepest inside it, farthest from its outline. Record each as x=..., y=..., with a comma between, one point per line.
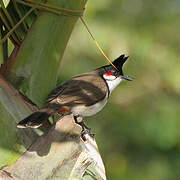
x=85, y=129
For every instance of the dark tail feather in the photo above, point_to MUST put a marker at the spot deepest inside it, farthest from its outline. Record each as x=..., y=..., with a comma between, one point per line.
x=35, y=120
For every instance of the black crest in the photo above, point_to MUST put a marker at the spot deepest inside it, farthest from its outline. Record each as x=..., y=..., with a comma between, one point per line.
x=119, y=62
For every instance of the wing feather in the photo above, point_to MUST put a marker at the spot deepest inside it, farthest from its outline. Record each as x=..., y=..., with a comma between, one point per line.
x=83, y=89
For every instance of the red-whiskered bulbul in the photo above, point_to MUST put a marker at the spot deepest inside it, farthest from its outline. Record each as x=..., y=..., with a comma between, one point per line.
x=82, y=95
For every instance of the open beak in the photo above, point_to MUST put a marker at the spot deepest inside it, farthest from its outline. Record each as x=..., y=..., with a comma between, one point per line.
x=126, y=77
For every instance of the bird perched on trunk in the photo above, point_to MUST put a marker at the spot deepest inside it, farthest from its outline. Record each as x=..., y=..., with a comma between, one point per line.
x=82, y=95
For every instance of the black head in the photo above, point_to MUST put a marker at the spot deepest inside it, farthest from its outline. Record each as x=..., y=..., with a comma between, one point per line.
x=118, y=63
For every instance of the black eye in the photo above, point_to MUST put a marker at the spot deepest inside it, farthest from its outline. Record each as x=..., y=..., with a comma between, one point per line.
x=116, y=73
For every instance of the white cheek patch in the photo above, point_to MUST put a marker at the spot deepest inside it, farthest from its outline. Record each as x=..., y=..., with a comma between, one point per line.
x=112, y=84
x=109, y=77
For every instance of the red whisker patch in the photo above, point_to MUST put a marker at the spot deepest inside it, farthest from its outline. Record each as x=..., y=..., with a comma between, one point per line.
x=109, y=73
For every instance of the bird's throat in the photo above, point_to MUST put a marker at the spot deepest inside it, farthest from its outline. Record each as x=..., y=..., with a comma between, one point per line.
x=113, y=84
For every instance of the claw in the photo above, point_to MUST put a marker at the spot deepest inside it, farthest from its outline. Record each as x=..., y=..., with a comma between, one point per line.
x=85, y=129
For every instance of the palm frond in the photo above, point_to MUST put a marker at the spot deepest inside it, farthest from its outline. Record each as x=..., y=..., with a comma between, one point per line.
x=15, y=21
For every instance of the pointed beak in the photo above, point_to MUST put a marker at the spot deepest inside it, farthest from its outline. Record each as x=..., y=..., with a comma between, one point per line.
x=126, y=77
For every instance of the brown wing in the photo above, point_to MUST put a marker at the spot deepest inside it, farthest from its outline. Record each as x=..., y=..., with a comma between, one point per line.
x=83, y=89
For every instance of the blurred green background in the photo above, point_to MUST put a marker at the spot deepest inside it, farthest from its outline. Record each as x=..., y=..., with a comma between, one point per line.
x=138, y=132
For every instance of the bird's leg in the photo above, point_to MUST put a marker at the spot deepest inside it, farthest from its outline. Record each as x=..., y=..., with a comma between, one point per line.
x=85, y=129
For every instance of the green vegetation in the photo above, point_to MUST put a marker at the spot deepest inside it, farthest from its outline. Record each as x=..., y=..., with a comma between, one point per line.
x=138, y=131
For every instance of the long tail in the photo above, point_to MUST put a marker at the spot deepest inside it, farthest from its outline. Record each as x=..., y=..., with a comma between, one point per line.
x=34, y=120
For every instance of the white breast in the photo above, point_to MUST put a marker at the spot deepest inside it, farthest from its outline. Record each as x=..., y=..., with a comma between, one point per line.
x=83, y=110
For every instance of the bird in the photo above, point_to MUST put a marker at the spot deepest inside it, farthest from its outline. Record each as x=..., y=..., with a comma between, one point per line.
x=82, y=95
